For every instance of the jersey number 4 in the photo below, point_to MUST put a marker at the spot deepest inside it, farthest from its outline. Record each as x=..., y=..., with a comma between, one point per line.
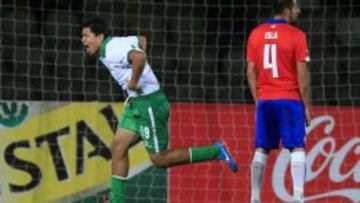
x=270, y=61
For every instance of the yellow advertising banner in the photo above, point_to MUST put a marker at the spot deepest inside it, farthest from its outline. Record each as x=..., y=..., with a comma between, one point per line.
x=64, y=150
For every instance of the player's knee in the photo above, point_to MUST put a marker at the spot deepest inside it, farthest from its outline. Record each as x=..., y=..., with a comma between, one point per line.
x=158, y=160
x=263, y=151
x=297, y=149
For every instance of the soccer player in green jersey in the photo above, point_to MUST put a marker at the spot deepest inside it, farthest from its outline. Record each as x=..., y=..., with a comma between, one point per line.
x=146, y=113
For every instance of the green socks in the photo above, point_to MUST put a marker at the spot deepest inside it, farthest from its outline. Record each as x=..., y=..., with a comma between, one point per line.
x=117, y=189
x=199, y=154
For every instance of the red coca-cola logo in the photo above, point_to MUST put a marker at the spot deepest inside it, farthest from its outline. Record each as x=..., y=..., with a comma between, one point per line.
x=333, y=156
x=335, y=163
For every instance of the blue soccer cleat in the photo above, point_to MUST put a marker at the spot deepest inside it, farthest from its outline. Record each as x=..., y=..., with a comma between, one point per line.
x=225, y=155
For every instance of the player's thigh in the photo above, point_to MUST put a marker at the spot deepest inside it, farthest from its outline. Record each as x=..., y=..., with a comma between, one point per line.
x=267, y=131
x=128, y=130
x=292, y=120
x=123, y=139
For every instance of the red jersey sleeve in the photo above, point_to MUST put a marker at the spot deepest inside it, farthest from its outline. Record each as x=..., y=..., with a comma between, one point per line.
x=301, y=50
x=250, y=51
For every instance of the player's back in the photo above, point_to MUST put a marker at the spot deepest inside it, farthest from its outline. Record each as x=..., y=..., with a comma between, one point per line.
x=275, y=46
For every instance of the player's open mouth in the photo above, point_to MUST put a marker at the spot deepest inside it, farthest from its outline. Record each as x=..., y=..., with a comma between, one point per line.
x=86, y=47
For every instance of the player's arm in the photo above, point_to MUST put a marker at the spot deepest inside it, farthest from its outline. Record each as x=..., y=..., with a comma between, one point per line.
x=252, y=79
x=251, y=70
x=304, y=87
x=302, y=56
x=137, y=59
x=142, y=43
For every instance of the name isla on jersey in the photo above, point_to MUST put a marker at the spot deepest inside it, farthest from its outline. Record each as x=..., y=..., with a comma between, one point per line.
x=271, y=35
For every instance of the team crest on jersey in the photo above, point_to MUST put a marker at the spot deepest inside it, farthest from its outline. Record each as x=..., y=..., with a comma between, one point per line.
x=271, y=35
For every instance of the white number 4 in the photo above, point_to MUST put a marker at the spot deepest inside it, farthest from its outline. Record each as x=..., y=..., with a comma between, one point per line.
x=270, y=59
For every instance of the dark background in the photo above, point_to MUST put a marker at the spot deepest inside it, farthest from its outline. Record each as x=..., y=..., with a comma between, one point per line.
x=196, y=48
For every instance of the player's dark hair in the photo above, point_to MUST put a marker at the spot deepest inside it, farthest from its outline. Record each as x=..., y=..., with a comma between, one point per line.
x=97, y=26
x=280, y=5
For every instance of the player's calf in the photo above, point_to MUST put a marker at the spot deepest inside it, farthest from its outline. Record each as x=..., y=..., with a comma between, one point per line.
x=170, y=158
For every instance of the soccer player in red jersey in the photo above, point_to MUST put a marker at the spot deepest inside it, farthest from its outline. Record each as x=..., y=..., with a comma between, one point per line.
x=279, y=81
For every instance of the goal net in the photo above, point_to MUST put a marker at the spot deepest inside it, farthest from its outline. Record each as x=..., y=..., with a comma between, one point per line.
x=59, y=107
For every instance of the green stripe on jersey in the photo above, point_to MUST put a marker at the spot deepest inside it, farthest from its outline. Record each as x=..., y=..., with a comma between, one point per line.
x=103, y=46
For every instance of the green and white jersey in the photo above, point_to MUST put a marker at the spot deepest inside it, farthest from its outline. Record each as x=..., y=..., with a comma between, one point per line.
x=114, y=53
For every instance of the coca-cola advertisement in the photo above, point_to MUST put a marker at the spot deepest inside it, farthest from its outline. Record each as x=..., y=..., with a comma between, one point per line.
x=332, y=150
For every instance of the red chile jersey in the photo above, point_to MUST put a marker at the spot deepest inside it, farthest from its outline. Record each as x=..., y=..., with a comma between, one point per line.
x=275, y=46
